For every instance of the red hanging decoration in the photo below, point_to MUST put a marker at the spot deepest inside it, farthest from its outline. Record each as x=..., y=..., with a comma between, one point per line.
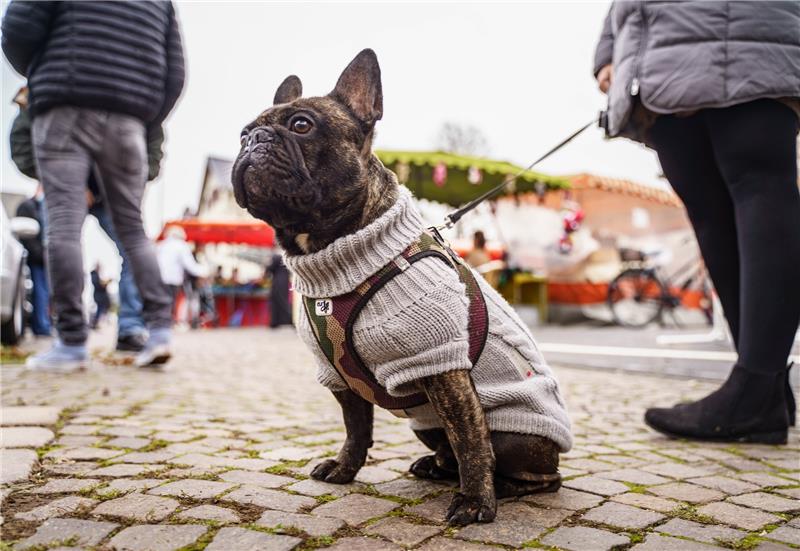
x=474, y=175
x=440, y=174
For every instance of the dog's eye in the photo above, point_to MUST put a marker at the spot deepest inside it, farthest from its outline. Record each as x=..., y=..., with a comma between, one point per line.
x=300, y=125
x=243, y=139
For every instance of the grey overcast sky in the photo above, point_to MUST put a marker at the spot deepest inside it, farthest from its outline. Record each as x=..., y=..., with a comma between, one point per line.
x=521, y=72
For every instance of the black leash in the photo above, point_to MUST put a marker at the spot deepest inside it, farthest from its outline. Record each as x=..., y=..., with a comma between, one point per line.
x=454, y=217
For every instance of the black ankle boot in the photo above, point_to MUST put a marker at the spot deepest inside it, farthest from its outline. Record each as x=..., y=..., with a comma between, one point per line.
x=790, y=403
x=749, y=407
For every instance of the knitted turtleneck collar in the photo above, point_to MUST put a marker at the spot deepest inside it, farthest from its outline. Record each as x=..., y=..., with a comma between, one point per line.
x=347, y=262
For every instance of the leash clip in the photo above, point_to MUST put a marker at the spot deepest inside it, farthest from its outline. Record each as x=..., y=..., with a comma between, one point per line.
x=443, y=242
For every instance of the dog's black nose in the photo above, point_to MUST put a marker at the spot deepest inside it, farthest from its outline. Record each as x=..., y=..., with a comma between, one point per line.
x=261, y=134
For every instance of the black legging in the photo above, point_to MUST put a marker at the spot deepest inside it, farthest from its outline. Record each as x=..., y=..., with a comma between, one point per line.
x=736, y=171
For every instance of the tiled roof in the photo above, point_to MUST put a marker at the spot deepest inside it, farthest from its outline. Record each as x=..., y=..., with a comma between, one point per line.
x=625, y=187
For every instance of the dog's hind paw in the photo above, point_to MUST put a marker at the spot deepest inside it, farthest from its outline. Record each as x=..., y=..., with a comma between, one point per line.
x=332, y=471
x=512, y=487
x=465, y=510
x=426, y=467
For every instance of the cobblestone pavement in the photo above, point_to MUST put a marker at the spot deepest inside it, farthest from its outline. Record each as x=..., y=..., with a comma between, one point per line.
x=215, y=454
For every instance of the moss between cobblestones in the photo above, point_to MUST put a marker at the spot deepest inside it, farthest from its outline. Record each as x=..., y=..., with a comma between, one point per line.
x=411, y=518
x=689, y=512
x=636, y=488
x=89, y=490
x=325, y=498
x=44, y=450
x=64, y=416
x=248, y=513
x=637, y=537
x=672, y=458
x=536, y=544
x=156, y=444
x=316, y=543
x=202, y=542
x=69, y=542
x=277, y=530
x=174, y=519
x=288, y=530
x=203, y=476
x=316, y=444
x=750, y=541
x=369, y=490
x=284, y=468
x=487, y=543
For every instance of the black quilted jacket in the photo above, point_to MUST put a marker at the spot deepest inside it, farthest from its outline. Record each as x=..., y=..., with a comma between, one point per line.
x=124, y=57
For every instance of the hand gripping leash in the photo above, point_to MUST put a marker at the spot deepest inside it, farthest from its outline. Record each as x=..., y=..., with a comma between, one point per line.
x=455, y=216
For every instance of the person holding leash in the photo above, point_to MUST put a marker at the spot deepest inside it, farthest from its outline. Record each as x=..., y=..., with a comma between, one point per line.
x=713, y=87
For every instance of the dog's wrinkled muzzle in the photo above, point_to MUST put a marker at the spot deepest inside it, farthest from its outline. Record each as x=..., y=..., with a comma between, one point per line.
x=258, y=141
x=237, y=179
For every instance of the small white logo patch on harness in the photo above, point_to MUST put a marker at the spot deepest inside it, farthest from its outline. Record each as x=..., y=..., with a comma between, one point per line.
x=402, y=263
x=323, y=306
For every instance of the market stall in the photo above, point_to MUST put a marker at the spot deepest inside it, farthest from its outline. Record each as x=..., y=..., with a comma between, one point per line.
x=236, y=303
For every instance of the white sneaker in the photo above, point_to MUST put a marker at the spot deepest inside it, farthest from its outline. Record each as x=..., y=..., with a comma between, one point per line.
x=153, y=356
x=156, y=350
x=61, y=358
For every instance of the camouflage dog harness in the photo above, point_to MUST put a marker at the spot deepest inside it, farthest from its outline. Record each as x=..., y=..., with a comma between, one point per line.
x=332, y=321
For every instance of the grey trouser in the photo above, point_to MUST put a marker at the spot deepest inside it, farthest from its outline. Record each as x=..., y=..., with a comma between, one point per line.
x=68, y=142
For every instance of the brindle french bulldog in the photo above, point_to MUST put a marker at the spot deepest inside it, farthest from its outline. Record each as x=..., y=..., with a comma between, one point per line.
x=306, y=168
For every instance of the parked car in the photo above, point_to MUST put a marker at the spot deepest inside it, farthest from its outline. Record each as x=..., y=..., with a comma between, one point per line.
x=13, y=275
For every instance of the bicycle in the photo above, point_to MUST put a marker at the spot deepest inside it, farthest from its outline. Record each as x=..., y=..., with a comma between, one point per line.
x=640, y=294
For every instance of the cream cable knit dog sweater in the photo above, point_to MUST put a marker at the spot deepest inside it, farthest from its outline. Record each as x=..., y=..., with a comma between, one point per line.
x=416, y=326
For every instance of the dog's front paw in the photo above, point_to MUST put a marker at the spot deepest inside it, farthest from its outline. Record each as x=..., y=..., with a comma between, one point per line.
x=332, y=471
x=465, y=510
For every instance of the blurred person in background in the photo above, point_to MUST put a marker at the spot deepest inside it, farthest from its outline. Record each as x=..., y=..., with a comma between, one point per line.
x=102, y=300
x=219, y=278
x=713, y=87
x=207, y=309
x=33, y=207
x=175, y=260
x=478, y=255
x=94, y=98
x=280, y=309
x=234, y=280
x=131, y=331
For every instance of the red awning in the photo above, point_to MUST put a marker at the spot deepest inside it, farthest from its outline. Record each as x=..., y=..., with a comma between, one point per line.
x=255, y=232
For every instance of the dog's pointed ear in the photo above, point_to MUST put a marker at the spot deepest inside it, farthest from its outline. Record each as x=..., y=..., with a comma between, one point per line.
x=359, y=87
x=289, y=90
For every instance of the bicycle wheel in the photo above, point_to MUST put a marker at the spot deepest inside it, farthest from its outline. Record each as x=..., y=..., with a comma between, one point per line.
x=635, y=297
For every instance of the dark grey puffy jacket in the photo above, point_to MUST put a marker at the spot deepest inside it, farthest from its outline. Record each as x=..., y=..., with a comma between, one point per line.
x=691, y=54
x=124, y=57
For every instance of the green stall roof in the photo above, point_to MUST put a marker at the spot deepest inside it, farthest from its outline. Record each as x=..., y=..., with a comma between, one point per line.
x=457, y=189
